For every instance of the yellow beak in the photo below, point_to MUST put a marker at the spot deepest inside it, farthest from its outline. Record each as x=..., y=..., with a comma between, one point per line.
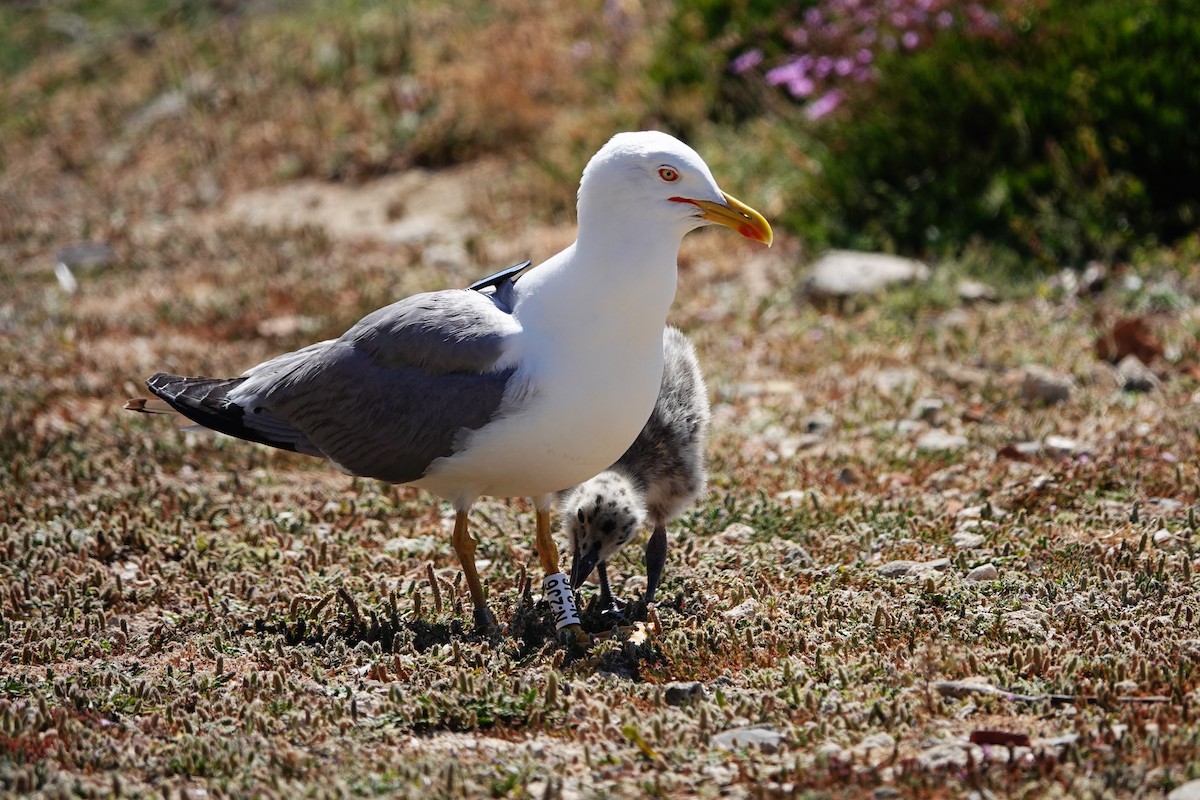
x=734, y=214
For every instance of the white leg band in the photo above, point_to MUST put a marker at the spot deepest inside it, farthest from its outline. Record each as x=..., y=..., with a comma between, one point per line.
x=557, y=589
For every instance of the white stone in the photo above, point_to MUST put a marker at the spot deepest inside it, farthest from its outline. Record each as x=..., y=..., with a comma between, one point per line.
x=938, y=440
x=984, y=572
x=845, y=273
x=1188, y=791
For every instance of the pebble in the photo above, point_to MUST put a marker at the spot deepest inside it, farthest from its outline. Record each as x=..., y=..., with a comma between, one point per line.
x=796, y=554
x=736, y=533
x=896, y=569
x=941, y=441
x=945, y=756
x=900, y=379
x=1060, y=445
x=877, y=741
x=845, y=273
x=984, y=572
x=818, y=424
x=86, y=255
x=967, y=540
x=928, y=409
x=678, y=693
x=1045, y=385
x=742, y=610
x=970, y=291
x=762, y=736
x=1188, y=791
x=901, y=568
x=1136, y=376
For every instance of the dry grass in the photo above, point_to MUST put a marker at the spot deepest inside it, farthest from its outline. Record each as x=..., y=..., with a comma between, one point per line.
x=182, y=613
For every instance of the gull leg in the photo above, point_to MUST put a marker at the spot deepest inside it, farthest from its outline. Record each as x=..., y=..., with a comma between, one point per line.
x=464, y=546
x=606, y=598
x=548, y=553
x=609, y=604
x=547, y=550
x=656, y=559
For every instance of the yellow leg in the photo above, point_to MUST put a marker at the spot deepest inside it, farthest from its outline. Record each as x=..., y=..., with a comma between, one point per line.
x=464, y=546
x=548, y=553
x=546, y=548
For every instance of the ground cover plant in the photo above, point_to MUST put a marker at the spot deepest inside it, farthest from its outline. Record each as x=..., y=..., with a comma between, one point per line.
x=950, y=542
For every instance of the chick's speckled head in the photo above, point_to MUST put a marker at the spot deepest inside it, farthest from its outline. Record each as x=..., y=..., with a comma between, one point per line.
x=600, y=516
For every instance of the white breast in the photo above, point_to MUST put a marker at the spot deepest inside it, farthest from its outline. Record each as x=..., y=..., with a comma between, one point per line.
x=589, y=365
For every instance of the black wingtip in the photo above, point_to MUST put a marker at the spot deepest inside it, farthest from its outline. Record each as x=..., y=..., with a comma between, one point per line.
x=497, y=278
x=205, y=401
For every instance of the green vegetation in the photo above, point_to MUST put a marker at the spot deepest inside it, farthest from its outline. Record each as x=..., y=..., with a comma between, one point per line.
x=1065, y=131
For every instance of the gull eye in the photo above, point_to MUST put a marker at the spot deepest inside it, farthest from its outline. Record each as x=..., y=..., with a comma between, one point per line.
x=668, y=174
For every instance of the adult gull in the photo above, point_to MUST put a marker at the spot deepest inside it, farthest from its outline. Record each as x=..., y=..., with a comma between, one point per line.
x=467, y=394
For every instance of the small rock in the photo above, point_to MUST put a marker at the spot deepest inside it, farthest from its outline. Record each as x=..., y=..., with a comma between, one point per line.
x=286, y=325
x=944, y=756
x=1093, y=278
x=1136, y=376
x=1188, y=791
x=762, y=736
x=970, y=291
x=938, y=440
x=1060, y=445
x=678, y=693
x=848, y=476
x=1020, y=451
x=877, y=741
x=831, y=751
x=929, y=567
x=905, y=427
x=1045, y=385
x=893, y=380
x=1163, y=537
x=799, y=556
x=742, y=610
x=954, y=319
x=896, y=569
x=984, y=572
x=928, y=409
x=736, y=533
x=87, y=255
x=845, y=273
x=967, y=540
x=818, y=424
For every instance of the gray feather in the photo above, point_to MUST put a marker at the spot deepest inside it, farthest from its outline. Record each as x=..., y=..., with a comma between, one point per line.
x=391, y=395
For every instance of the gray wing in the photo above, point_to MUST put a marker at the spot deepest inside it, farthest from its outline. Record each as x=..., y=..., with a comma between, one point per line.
x=395, y=391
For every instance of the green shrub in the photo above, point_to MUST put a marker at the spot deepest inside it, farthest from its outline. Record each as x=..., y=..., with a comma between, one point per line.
x=1076, y=138
x=1068, y=131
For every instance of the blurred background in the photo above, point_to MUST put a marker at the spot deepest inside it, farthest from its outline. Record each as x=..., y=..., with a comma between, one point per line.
x=1024, y=135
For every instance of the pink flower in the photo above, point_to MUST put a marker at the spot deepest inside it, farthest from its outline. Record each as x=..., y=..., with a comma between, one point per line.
x=823, y=105
x=746, y=61
x=911, y=39
x=801, y=86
